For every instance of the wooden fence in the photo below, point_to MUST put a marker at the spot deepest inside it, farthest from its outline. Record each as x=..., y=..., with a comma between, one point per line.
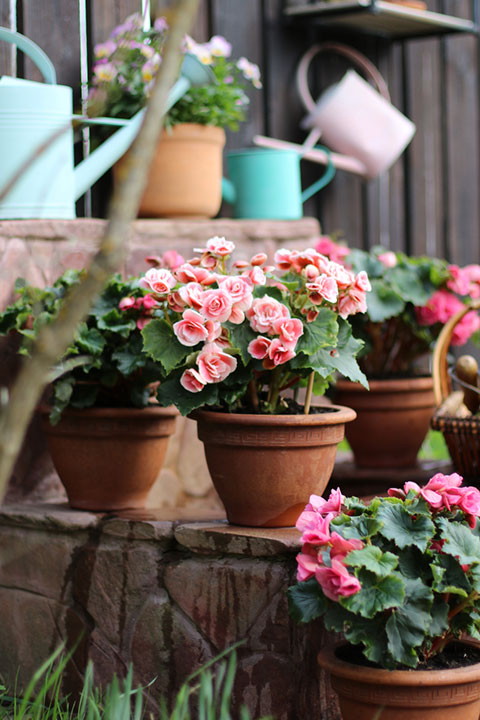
x=427, y=203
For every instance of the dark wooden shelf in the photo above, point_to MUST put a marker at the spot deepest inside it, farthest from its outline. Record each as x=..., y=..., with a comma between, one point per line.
x=378, y=17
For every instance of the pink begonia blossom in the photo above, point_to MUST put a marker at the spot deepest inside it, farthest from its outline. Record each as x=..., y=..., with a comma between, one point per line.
x=459, y=280
x=343, y=276
x=283, y=259
x=172, y=259
x=463, y=330
x=216, y=305
x=258, y=348
x=323, y=288
x=191, y=294
x=301, y=259
x=334, y=503
x=388, y=259
x=307, y=564
x=214, y=365
x=258, y=259
x=289, y=330
x=264, y=311
x=312, y=315
x=190, y=273
x=191, y=329
x=142, y=321
x=256, y=275
x=335, y=252
x=336, y=581
x=192, y=381
x=241, y=264
x=355, y=301
x=439, y=309
x=126, y=303
x=159, y=280
x=237, y=316
x=315, y=528
x=362, y=282
x=340, y=547
x=219, y=246
x=277, y=354
x=175, y=302
x=239, y=289
x=311, y=272
x=149, y=302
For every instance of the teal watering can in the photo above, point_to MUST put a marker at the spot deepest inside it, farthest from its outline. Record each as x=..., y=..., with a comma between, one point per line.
x=265, y=184
x=31, y=113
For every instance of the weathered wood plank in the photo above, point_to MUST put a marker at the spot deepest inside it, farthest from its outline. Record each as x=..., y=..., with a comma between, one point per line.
x=6, y=20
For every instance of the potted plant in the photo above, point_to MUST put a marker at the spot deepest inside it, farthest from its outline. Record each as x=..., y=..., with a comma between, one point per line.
x=234, y=339
x=410, y=301
x=106, y=434
x=185, y=178
x=399, y=578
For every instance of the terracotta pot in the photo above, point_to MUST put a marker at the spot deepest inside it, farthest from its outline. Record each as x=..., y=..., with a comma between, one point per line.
x=265, y=467
x=185, y=178
x=367, y=693
x=393, y=418
x=109, y=458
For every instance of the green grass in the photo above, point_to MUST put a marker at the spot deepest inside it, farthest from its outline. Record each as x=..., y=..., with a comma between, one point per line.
x=433, y=447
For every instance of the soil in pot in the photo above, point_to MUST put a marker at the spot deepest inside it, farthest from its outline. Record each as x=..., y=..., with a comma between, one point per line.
x=265, y=467
x=366, y=692
x=393, y=418
x=109, y=458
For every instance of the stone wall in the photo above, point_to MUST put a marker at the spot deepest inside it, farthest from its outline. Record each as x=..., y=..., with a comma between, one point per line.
x=162, y=593
x=41, y=250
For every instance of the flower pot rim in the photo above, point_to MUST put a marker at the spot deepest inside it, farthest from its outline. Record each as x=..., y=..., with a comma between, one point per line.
x=414, y=384
x=188, y=128
x=380, y=676
x=339, y=414
x=115, y=412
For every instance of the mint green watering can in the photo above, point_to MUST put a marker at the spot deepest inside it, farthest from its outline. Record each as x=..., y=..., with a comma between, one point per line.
x=266, y=184
x=31, y=113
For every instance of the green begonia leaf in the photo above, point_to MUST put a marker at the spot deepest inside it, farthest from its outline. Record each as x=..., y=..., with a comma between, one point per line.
x=375, y=595
x=408, y=625
x=306, y=601
x=373, y=559
x=162, y=345
x=405, y=529
x=459, y=542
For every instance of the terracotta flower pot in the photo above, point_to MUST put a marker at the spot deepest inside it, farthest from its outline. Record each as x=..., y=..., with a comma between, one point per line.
x=265, y=467
x=393, y=418
x=367, y=693
x=185, y=178
x=109, y=458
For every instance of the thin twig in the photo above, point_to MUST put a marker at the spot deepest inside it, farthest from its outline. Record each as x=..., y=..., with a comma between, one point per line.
x=308, y=394
x=54, y=339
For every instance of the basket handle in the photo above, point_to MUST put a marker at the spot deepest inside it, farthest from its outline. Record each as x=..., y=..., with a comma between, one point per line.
x=441, y=380
x=356, y=57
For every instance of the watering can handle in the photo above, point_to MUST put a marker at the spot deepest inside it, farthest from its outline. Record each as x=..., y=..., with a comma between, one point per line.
x=34, y=52
x=327, y=176
x=360, y=60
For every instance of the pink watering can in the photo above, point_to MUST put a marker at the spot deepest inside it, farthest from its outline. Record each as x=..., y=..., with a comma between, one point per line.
x=32, y=114
x=355, y=120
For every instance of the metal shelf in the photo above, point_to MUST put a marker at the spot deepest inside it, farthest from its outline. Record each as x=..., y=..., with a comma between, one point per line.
x=378, y=17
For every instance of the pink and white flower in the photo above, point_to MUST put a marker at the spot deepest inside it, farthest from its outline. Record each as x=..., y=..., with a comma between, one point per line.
x=216, y=305
x=191, y=329
x=159, y=280
x=289, y=330
x=258, y=348
x=263, y=313
x=336, y=581
x=322, y=288
x=277, y=354
x=192, y=381
x=388, y=259
x=214, y=365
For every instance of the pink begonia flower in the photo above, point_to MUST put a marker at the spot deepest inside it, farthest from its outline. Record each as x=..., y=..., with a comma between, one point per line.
x=362, y=282
x=191, y=329
x=142, y=321
x=160, y=280
x=241, y=264
x=175, y=302
x=335, y=252
x=126, y=303
x=388, y=259
x=256, y=275
x=215, y=365
x=323, y=288
x=216, y=305
x=311, y=272
x=191, y=380
x=154, y=260
x=439, y=309
x=300, y=260
x=316, y=529
x=336, y=581
x=470, y=503
x=219, y=246
x=312, y=315
x=277, y=354
x=264, y=312
x=464, y=329
x=258, y=348
x=289, y=330
x=459, y=280
x=214, y=330
x=307, y=564
x=343, y=276
x=283, y=259
x=190, y=273
x=237, y=316
x=340, y=547
x=355, y=301
x=172, y=259
x=149, y=302
x=239, y=289
x=258, y=259
x=334, y=503
x=191, y=294
x=209, y=261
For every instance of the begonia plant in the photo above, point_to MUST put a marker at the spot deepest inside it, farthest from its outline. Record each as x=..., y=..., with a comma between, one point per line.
x=410, y=301
x=237, y=335
x=126, y=64
x=399, y=576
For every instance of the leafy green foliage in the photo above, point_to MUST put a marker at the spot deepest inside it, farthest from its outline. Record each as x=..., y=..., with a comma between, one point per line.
x=399, y=576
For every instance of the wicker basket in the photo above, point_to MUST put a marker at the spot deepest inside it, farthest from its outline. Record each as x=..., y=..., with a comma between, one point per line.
x=462, y=435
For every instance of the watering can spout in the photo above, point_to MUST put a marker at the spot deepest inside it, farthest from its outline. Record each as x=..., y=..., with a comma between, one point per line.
x=229, y=194
x=193, y=72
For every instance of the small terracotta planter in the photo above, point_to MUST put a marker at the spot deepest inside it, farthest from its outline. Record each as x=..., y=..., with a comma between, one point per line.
x=109, y=458
x=185, y=178
x=367, y=693
x=265, y=467
x=393, y=418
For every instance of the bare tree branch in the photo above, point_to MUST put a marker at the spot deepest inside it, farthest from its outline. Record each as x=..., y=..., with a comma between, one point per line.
x=54, y=339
